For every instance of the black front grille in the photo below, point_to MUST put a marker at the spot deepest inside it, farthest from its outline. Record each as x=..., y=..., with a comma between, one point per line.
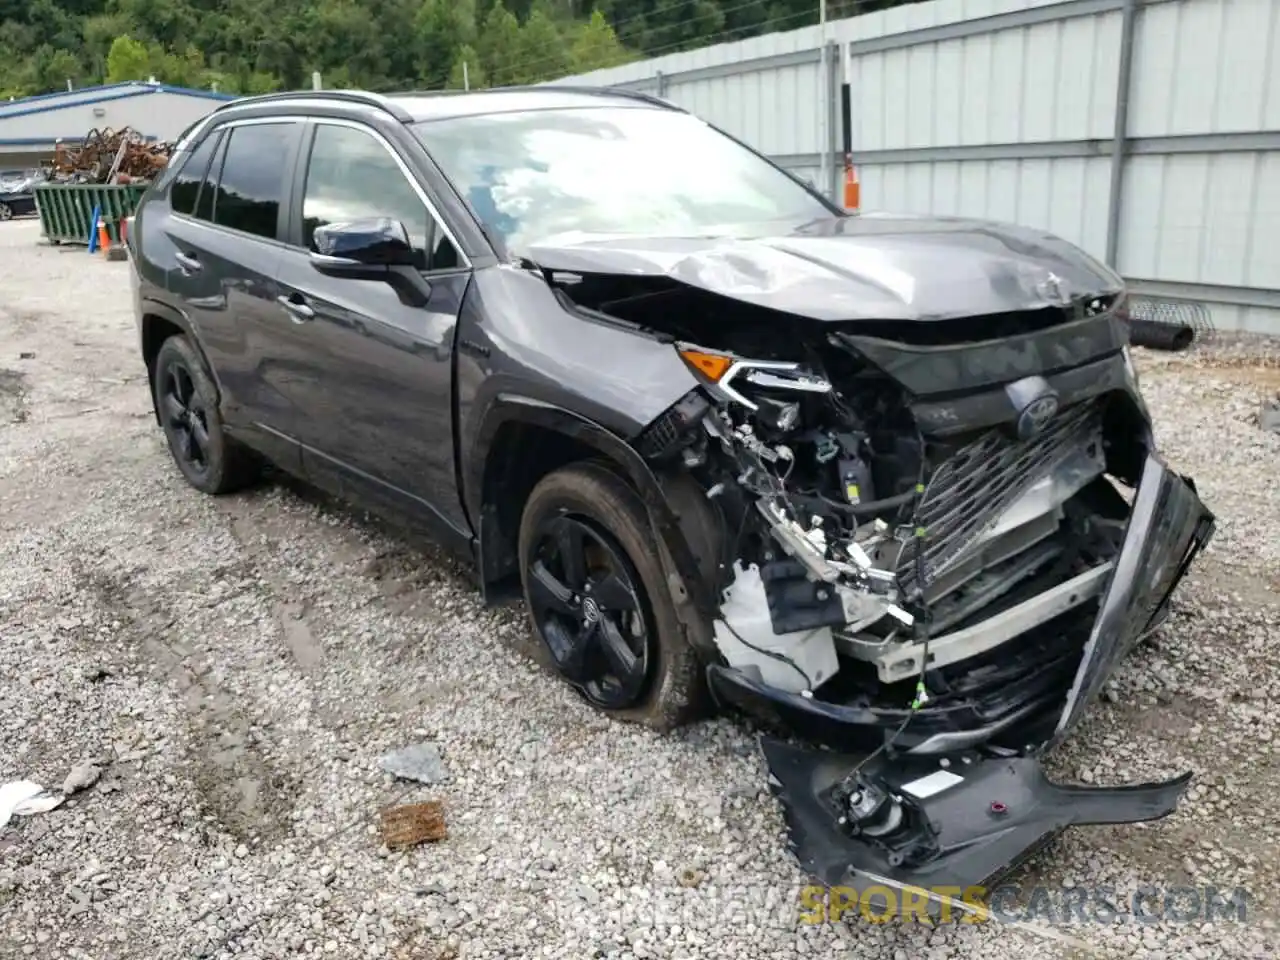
x=971, y=489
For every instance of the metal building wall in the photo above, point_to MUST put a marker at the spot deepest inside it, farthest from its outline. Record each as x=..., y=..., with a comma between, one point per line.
x=161, y=114
x=1147, y=131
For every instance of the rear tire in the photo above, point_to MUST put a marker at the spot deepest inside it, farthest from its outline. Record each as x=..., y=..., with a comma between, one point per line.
x=187, y=403
x=614, y=591
x=6, y=212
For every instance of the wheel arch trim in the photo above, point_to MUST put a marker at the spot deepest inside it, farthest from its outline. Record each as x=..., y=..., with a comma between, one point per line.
x=509, y=407
x=169, y=314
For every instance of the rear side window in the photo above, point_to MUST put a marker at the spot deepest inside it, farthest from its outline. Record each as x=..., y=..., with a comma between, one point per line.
x=251, y=187
x=204, y=205
x=186, y=185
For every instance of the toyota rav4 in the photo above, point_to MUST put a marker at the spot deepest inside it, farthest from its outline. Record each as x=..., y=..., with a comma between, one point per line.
x=885, y=482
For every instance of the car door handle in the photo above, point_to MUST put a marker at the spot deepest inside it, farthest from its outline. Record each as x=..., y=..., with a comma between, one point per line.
x=187, y=263
x=298, y=310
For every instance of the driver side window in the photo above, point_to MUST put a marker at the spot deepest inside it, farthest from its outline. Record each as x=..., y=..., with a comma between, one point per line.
x=350, y=176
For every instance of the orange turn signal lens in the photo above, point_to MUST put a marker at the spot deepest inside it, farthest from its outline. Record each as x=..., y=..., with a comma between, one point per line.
x=713, y=366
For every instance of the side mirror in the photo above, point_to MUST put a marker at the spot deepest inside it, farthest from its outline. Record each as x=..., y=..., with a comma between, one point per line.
x=362, y=248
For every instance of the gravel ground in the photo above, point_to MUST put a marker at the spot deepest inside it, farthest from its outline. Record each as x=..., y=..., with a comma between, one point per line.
x=237, y=666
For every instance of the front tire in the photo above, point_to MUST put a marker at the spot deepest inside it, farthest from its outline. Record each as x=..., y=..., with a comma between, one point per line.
x=6, y=212
x=598, y=599
x=187, y=404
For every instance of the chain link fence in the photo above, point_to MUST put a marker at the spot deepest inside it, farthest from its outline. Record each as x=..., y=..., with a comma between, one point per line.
x=1169, y=324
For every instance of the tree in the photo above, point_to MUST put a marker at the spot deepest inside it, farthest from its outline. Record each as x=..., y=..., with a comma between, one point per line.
x=127, y=60
x=473, y=78
x=59, y=67
x=442, y=28
x=499, y=45
x=541, y=51
x=596, y=46
x=250, y=45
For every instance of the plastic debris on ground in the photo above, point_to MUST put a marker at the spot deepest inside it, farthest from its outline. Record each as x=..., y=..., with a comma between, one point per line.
x=24, y=798
x=421, y=762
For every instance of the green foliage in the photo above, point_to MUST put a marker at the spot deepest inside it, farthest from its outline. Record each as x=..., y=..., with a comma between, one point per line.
x=470, y=78
x=499, y=46
x=541, y=49
x=252, y=46
x=127, y=60
x=596, y=45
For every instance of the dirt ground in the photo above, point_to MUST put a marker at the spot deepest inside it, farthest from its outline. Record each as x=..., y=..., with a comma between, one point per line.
x=236, y=666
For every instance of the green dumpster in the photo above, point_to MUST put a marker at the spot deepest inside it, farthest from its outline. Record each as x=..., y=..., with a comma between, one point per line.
x=66, y=209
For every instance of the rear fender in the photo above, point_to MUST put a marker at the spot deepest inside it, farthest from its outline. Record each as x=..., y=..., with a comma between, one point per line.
x=155, y=308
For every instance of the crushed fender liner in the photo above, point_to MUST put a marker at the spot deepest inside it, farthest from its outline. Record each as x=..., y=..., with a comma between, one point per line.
x=932, y=818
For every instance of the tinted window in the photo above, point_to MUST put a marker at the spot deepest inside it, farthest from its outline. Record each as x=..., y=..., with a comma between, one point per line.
x=186, y=185
x=351, y=175
x=610, y=170
x=204, y=205
x=252, y=182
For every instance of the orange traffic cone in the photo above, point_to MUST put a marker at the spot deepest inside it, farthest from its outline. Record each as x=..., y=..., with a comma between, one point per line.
x=104, y=238
x=852, y=188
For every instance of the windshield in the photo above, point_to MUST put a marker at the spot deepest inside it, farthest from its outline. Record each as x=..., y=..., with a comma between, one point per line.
x=609, y=170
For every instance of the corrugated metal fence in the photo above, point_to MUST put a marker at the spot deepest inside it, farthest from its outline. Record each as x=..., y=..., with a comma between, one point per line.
x=1147, y=131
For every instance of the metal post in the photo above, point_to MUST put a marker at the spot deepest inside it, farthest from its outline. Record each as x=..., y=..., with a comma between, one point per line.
x=835, y=121
x=660, y=80
x=466, y=77
x=69, y=87
x=826, y=166
x=1119, y=145
x=316, y=80
x=846, y=119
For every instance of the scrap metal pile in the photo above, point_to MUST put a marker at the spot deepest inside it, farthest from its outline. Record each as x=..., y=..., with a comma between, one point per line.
x=110, y=156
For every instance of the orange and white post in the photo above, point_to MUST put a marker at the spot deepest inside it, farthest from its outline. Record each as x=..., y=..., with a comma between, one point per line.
x=852, y=188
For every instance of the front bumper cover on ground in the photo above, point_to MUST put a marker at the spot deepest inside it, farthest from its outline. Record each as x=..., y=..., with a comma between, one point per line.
x=983, y=809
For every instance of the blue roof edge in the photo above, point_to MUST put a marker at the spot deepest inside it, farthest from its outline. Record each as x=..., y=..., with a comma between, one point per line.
x=50, y=141
x=131, y=88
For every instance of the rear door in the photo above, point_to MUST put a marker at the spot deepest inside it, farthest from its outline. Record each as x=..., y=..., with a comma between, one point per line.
x=375, y=390
x=225, y=231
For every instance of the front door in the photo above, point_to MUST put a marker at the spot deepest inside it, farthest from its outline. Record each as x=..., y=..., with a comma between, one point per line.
x=376, y=393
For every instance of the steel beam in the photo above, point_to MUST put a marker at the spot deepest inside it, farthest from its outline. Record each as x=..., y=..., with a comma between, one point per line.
x=1056, y=149
x=983, y=25
x=1124, y=81
x=1068, y=10
x=1206, y=293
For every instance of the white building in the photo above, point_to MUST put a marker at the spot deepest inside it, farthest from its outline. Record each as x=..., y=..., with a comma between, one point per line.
x=31, y=127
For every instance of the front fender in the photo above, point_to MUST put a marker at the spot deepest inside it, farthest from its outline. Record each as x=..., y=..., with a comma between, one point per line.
x=684, y=578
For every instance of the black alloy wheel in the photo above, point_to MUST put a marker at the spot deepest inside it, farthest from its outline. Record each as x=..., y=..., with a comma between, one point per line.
x=186, y=402
x=600, y=600
x=587, y=604
x=185, y=418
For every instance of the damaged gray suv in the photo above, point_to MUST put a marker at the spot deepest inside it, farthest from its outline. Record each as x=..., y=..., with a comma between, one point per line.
x=884, y=483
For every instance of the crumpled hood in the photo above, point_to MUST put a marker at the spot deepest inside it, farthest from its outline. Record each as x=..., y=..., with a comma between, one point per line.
x=866, y=267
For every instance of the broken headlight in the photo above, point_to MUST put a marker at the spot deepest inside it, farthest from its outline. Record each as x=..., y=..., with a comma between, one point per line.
x=727, y=374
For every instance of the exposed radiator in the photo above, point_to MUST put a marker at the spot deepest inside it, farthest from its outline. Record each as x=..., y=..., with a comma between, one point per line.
x=970, y=490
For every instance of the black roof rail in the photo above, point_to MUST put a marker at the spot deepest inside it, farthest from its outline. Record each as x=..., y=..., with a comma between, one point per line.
x=599, y=91
x=346, y=96
x=645, y=96
x=544, y=88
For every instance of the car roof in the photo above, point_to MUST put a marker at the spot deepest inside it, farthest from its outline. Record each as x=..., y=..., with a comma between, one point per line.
x=418, y=106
